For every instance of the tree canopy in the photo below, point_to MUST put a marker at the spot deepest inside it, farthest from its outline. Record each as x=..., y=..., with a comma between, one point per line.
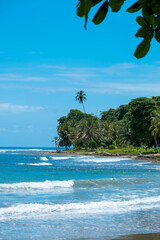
x=134, y=124
x=149, y=19
x=81, y=97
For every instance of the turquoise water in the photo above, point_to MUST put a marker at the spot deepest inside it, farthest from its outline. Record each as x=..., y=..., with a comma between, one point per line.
x=76, y=197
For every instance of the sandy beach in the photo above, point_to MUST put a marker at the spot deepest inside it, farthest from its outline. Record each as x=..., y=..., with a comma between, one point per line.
x=151, y=236
x=155, y=158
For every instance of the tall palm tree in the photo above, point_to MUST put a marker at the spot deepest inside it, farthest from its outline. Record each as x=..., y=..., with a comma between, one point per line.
x=81, y=97
x=155, y=127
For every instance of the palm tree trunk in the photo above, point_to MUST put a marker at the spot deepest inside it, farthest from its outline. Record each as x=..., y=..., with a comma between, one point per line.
x=84, y=108
x=156, y=143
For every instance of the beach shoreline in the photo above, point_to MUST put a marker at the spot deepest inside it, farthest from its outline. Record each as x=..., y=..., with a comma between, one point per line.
x=147, y=236
x=154, y=158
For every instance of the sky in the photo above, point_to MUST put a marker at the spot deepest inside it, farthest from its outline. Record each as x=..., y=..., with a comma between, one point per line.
x=46, y=57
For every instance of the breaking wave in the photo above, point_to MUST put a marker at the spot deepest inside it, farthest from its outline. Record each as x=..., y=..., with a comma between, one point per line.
x=23, y=211
x=61, y=158
x=37, y=185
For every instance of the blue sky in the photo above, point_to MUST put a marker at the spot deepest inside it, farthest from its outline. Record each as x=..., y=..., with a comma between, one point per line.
x=46, y=56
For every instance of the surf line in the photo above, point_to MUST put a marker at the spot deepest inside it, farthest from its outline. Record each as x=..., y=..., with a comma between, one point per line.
x=50, y=226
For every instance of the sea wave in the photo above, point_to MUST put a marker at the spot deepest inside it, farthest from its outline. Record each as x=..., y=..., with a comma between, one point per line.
x=44, y=158
x=61, y=158
x=25, y=150
x=39, y=164
x=80, y=184
x=46, y=185
x=36, y=210
x=102, y=159
x=108, y=182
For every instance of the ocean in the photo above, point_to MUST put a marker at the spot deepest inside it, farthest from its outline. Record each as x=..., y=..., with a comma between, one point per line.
x=76, y=197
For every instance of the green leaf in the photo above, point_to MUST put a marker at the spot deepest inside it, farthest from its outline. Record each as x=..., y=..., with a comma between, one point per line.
x=144, y=3
x=144, y=32
x=157, y=36
x=94, y=2
x=141, y=21
x=143, y=48
x=81, y=9
x=101, y=13
x=156, y=8
x=134, y=8
x=116, y=5
x=157, y=21
x=148, y=16
x=84, y=7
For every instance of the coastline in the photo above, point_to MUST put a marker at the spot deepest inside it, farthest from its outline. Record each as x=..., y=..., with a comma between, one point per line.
x=155, y=158
x=147, y=236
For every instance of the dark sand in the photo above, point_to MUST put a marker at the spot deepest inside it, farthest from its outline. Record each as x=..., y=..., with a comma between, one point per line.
x=150, y=236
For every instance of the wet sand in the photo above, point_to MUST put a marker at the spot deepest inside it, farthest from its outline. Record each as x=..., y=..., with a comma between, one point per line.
x=150, y=236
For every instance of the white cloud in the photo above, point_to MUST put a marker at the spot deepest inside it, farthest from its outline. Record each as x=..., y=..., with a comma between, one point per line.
x=125, y=88
x=122, y=78
x=21, y=77
x=7, y=107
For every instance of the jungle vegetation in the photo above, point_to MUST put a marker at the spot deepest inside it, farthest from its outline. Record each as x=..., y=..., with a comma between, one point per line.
x=136, y=124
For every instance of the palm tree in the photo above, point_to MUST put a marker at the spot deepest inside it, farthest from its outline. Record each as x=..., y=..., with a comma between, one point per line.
x=56, y=141
x=88, y=130
x=81, y=97
x=155, y=127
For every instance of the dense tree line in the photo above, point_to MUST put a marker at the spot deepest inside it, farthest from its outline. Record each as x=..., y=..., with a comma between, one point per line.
x=134, y=124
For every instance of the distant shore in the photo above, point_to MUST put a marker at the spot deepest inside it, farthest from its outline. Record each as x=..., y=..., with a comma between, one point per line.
x=145, y=157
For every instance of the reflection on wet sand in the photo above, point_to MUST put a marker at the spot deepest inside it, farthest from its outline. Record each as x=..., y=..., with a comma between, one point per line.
x=152, y=236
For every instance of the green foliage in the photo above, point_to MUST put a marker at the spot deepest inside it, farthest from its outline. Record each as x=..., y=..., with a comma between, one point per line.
x=131, y=150
x=91, y=144
x=109, y=115
x=62, y=119
x=111, y=147
x=155, y=127
x=149, y=19
x=140, y=112
x=75, y=114
x=135, y=124
x=143, y=48
x=81, y=97
x=63, y=131
x=134, y=8
x=121, y=111
x=101, y=13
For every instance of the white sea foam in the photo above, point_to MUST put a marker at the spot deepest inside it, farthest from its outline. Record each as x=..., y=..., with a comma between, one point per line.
x=39, y=164
x=102, y=160
x=44, y=159
x=25, y=150
x=2, y=151
x=61, y=158
x=46, y=185
x=36, y=210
